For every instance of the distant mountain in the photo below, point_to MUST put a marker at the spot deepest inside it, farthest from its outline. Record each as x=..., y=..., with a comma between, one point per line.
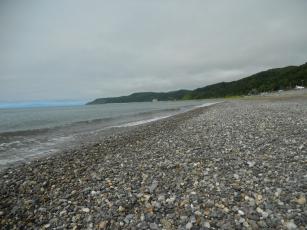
x=142, y=97
x=266, y=81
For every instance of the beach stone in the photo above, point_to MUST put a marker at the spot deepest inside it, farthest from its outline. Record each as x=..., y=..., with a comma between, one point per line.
x=291, y=225
x=241, y=213
x=153, y=186
x=251, y=163
x=153, y=226
x=189, y=225
x=301, y=200
x=85, y=210
x=102, y=224
x=167, y=224
x=63, y=212
x=128, y=218
x=206, y=225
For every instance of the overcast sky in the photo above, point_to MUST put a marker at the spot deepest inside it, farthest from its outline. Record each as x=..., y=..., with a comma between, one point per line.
x=81, y=50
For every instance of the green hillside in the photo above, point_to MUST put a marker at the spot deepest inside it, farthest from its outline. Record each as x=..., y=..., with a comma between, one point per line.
x=142, y=97
x=266, y=81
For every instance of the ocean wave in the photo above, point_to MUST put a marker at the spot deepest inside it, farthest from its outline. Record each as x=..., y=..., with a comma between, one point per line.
x=206, y=104
x=134, y=123
x=36, y=131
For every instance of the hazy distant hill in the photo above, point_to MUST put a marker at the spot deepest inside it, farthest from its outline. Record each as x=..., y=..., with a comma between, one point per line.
x=145, y=96
x=270, y=80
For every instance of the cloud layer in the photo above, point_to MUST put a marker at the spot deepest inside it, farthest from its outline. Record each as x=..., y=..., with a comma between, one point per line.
x=51, y=50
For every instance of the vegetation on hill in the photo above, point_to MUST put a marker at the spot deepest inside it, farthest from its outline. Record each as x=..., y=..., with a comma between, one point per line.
x=142, y=97
x=266, y=81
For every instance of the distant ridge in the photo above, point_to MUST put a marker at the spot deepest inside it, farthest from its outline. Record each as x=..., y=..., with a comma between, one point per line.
x=265, y=81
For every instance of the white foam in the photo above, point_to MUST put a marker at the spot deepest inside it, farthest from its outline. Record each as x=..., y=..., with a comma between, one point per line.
x=7, y=144
x=141, y=122
x=159, y=118
x=206, y=104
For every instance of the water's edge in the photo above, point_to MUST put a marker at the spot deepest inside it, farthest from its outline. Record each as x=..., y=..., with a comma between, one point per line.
x=73, y=141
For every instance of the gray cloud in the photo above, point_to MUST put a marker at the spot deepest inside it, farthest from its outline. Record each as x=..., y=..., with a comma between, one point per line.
x=88, y=49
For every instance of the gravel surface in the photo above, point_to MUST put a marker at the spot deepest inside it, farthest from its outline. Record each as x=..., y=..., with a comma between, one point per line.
x=235, y=165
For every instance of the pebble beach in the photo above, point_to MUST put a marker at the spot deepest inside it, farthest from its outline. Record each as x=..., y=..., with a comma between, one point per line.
x=239, y=164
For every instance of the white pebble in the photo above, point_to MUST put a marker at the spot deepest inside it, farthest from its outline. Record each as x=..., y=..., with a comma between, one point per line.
x=290, y=225
x=189, y=225
x=241, y=213
x=85, y=209
x=207, y=225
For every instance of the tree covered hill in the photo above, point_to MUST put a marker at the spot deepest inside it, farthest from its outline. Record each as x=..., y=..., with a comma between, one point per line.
x=142, y=97
x=266, y=81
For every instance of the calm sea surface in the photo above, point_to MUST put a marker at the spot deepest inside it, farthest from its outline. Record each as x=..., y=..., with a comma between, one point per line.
x=28, y=133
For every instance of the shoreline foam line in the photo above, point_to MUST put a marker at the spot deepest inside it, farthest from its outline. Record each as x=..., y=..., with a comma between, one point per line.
x=134, y=123
x=141, y=122
x=207, y=104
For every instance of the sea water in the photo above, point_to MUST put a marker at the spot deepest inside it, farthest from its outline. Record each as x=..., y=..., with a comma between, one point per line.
x=27, y=133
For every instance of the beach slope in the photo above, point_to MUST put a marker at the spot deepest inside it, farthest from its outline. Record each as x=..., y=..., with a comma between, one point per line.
x=236, y=164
